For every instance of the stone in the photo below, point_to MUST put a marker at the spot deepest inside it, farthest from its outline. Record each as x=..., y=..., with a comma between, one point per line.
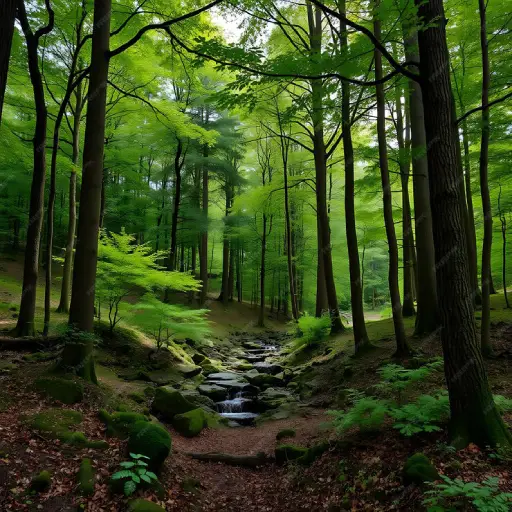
x=199, y=400
x=86, y=478
x=189, y=371
x=168, y=402
x=264, y=381
x=271, y=368
x=64, y=390
x=141, y=505
x=198, y=358
x=418, y=469
x=41, y=482
x=216, y=393
x=119, y=424
x=151, y=440
x=244, y=367
x=191, y=423
x=287, y=432
x=287, y=452
x=225, y=376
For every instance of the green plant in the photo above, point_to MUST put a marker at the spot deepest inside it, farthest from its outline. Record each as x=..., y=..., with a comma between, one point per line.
x=311, y=331
x=134, y=473
x=423, y=415
x=366, y=413
x=485, y=496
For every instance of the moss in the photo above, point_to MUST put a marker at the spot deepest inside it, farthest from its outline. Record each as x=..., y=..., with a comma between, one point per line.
x=41, y=482
x=244, y=367
x=313, y=453
x=287, y=432
x=288, y=452
x=37, y=357
x=418, y=469
x=86, y=478
x=198, y=358
x=138, y=398
x=190, y=485
x=264, y=381
x=150, y=440
x=168, y=402
x=191, y=423
x=144, y=506
x=149, y=392
x=65, y=390
x=119, y=424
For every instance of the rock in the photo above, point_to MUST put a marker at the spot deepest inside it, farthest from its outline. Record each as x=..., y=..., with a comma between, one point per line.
x=216, y=393
x=138, y=397
x=189, y=371
x=287, y=432
x=168, y=402
x=225, y=376
x=190, y=485
x=264, y=381
x=119, y=424
x=199, y=400
x=418, y=469
x=251, y=345
x=271, y=368
x=234, y=385
x=313, y=453
x=141, y=505
x=161, y=377
x=151, y=440
x=86, y=478
x=65, y=390
x=288, y=452
x=209, y=368
x=243, y=367
x=41, y=483
x=255, y=358
x=190, y=423
x=198, y=358
x=251, y=373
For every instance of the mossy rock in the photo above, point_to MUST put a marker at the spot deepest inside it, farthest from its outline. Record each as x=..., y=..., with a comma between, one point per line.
x=65, y=390
x=168, y=402
x=119, y=424
x=265, y=380
x=418, y=469
x=149, y=391
x=190, y=424
x=209, y=368
x=313, y=453
x=287, y=432
x=38, y=357
x=150, y=440
x=244, y=367
x=138, y=398
x=144, y=506
x=198, y=358
x=199, y=400
x=41, y=482
x=86, y=478
x=288, y=452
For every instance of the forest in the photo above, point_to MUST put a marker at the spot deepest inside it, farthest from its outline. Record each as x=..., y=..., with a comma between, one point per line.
x=254, y=255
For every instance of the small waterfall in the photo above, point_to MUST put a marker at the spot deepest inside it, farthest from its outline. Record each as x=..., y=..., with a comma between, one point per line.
x=233, y=405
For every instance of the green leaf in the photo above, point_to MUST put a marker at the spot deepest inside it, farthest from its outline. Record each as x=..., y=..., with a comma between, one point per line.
x=129, y=487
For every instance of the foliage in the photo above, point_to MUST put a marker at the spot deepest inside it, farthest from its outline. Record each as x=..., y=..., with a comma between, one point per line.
x=367, y=413
x=311, y=331
x=134, y=473
x=485, y=496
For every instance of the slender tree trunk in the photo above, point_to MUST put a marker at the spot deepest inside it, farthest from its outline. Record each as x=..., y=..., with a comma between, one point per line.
x=261, y=317
x=503, y=222
x=427, y=314
x=231, y=277
x=224, y=294
x=25, y=325
x=403, y=348
x=325, y=250
x=474, y=417
x=77, y=357
x=203, y=249
x=485, y=338
x=176, y=206
x=7, y=17
x=322, y=305
x=361, y=340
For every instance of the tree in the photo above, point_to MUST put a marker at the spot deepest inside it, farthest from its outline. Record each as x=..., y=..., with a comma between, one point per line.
x=7, y=18
x=474, y=417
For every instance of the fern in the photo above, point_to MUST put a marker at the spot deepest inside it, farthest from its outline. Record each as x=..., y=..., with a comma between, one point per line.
x=367, y=413
x=135, y=472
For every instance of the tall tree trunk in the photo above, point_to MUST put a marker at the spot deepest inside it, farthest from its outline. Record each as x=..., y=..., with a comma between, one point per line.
x=485, y=338
x=176, y=206
x=322, y=306
x=224, y=293
x=25, y=325
x=402, y=345
x=77, y=357
x=407, y=233
x=261, y=317
x=7, y=17
x=474, y=417
x=231, y=277
x=427, y=314
x=503, y=222
x=325, y=251
x=203, y=248
x=361, y=340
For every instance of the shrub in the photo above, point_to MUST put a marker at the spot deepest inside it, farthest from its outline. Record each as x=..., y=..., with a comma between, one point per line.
x=134, y=473
x=485, y=496
x=367, y=413
x=311, y=331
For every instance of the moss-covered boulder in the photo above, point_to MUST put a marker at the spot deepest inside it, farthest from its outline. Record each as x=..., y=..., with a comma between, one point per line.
x=86, y=478
x=151, y=440
x=287, y=432
x=66, y=391
x=287, y=452
x=119, y=424
x=198, y=358
x=199, y=400
x=265, y=380
x=189, y=371
x=168, y=402
x=213, y=391
x=244, y=367
x=190, y=424
x=418, y=469
x=313, y=453
x=138, y=398
x=144, y=506
x=41, y=482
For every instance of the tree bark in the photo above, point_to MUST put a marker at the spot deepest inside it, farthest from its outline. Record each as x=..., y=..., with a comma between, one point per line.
x=474, y=417
x=203, y=248
x=261, y=317
x=7, y=17
x=25, y=325
x=178, y=164
x=402, y=345
x=324, y=249
x=78, y=357
x=485, y=335
x=361, y=340
x=224, y=294
x=427, y=313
